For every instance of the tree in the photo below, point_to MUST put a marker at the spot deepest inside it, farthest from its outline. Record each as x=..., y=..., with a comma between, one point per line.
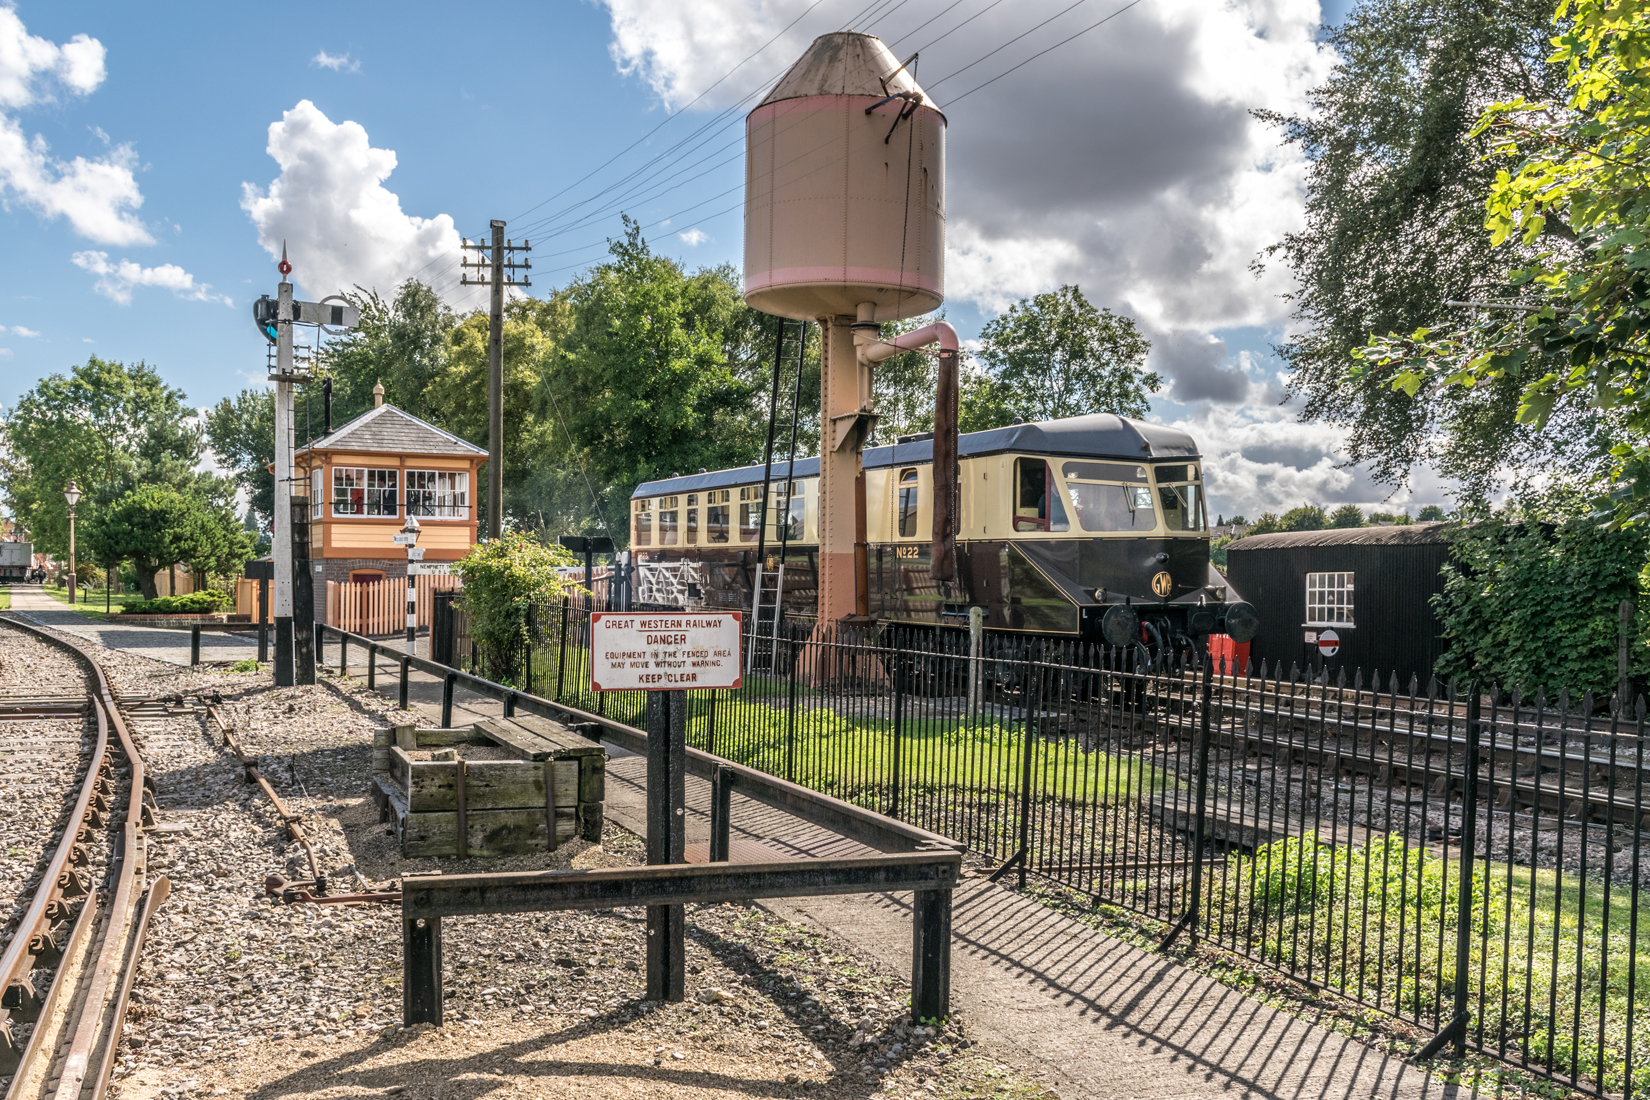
x=1308, y=517
x=1237, y=521
x=641, y=382
x=1432, y=513
x=1396, y=180
x=1347, y=515
x=1267, y=524
x=511, y=588
x=155, y=526
x=241, y=431
x=1570, y=214
x=1056, y=355
x=109, y=425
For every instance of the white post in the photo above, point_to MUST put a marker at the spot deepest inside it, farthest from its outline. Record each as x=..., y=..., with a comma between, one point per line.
x=412, y=605
x=976, y=632
x=283, y=477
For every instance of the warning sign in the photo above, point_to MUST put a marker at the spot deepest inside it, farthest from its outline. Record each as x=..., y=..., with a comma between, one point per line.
x=664, y=650
x=1329, y=643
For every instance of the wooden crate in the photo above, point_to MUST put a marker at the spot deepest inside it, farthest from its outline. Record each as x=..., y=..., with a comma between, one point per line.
x=506, y=806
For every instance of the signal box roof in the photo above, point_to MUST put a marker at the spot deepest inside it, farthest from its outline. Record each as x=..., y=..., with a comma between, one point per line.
x=388, y=430
x=1100, y=435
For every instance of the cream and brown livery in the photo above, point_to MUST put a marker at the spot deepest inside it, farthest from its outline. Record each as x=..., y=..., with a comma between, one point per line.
x=1058, y=523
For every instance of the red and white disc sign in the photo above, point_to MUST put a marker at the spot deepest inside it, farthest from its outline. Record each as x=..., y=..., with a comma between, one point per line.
x=1329, y=643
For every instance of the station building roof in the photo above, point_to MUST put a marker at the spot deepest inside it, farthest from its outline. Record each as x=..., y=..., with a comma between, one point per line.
x=1100, y=435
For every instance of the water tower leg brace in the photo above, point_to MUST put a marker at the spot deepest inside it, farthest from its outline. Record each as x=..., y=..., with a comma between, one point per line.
x=845, y=419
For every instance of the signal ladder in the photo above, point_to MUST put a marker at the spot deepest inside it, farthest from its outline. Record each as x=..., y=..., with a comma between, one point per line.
x=768, y=587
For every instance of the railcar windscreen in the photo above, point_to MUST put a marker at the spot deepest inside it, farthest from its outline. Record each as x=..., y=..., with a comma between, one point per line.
x=1182, y=498
x=1122, y=501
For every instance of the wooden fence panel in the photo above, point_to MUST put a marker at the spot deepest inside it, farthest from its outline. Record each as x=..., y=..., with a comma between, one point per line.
x=381, y=608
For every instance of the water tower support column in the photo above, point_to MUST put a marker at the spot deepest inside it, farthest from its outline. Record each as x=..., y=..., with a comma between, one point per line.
x=845, y=419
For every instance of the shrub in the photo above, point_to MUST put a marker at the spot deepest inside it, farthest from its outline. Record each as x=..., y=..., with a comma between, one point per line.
x=193, y=603
x=510, y=588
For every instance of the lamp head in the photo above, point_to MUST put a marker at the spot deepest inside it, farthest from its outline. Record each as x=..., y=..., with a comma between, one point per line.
x=411, y=527
x=72, y=493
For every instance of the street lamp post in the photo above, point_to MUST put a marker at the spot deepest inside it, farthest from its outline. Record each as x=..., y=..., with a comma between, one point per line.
x=72, y=495
x=408, y=537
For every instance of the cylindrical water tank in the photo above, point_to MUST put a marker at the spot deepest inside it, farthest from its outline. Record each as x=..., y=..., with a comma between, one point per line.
x=844, y=207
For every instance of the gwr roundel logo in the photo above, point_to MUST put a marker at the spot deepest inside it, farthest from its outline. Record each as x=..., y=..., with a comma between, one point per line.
x=1163, y=584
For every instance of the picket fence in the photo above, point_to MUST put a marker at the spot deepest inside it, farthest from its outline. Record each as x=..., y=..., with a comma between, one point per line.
x=381, y=608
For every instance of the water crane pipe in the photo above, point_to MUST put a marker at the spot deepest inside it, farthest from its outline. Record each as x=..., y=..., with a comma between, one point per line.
x=871, y=348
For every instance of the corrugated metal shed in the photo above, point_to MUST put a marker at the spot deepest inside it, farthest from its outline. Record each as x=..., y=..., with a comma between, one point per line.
x=1395, y=572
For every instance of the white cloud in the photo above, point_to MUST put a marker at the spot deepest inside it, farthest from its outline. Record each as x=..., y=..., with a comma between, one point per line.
x=5, y=353
x=693, y=238
x=341, y=226
x=324, y=60
x=98, y=195
x=19, y=330
x=116, y=280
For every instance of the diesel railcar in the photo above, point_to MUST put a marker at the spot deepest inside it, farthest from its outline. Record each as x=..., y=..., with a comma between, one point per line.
x=1059, y=523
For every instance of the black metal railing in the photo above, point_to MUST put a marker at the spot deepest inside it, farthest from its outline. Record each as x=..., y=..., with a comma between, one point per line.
x=1465, y=859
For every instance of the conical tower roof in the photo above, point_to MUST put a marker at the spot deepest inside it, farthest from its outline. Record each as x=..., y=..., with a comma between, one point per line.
x=845, y=63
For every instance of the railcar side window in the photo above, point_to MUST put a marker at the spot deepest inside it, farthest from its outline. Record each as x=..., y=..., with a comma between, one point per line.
x=908, y=504
x=796, y=514
x=1329, y=599
x=716, y=516
x=1182, y=498
x=1037, y=504
x=667, y=521
x=644, y=523
x=750, y=512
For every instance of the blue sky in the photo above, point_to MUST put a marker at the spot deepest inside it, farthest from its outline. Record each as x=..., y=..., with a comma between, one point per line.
x=1124, y=161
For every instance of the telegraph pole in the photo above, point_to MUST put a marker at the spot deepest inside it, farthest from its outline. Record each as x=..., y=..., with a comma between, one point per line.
x=498, y=272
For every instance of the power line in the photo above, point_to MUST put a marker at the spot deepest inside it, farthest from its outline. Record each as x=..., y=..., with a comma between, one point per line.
x=1040, y=53
x=1006, y=45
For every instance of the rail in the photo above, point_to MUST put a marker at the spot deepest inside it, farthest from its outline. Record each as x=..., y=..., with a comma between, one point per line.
x=91, y=1026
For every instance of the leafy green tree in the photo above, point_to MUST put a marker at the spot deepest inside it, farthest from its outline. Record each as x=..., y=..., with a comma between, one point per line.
x=1308, y=517
x=1267, y=524
x=106, y=424
x=1055, y=355
x=155, y=526
x=1347, y=515
x=1237, y=521
x=404, y=343
x=1396, y=180
x=241, y=431
x=1432, y=513
x=1570, y=214
x=641, y=383
x=510, y=585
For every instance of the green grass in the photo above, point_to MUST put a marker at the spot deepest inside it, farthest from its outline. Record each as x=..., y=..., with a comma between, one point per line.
x=5, y=599
x=89, y=604
x=1335, y=911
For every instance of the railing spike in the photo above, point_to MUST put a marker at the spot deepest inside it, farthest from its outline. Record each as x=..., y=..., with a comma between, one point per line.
x=1638, y=708
x=1340, y=678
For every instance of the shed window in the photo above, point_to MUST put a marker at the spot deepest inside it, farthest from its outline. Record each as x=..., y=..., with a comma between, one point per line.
x=1329, y=599
x=358, y=491
x=908, y=504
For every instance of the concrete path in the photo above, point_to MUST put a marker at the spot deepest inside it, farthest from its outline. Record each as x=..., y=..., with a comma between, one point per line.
x=161, y=644
x=1101, y=1019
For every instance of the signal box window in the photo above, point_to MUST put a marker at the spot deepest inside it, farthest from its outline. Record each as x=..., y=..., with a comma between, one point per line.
x=358, y=491
x=716, y=515
x=1182, y=498
x=908, y=504
x=750, y=512
x=1037, y=504
x=644, y=524
x=1329, y=599
x=316, y=493
x=439, y=494
x=1110, y=496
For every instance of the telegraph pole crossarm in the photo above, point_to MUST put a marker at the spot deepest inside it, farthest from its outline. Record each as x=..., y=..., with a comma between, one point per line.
x=496, y=266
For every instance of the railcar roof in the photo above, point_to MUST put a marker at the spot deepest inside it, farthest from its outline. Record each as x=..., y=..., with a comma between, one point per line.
x=1100, y=435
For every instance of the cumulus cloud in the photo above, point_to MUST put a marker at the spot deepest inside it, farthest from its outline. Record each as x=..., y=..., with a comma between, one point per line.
x=337, y=64
x=693, y=238
x=117, y=280
x=97, y=195
x=341, y=226
x=19, y=330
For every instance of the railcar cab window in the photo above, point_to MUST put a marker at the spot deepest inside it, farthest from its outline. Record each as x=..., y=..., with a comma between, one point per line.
x=644, y=523
x=360, y=491
x=1037, y=503
x=908, y=504
x=693, y=520
x=1110, y=496
x=1181, y=495
x=716, y=514
x=667, y=520
x=750, y=512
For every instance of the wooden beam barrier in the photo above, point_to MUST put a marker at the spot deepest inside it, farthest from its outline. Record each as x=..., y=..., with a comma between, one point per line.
x=932, y=876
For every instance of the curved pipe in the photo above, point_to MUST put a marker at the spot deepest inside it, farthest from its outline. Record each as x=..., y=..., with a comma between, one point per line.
x=871, y=348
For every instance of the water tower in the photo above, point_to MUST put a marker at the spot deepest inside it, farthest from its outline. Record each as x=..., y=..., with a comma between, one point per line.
x=845, y=225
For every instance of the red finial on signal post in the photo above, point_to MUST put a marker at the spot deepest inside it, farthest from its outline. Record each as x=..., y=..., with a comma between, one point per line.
x=283, y=267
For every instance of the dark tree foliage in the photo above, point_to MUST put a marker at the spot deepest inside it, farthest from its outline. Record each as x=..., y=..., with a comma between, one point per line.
x=241, y=430
x=1395, y=228
x=1347, y=515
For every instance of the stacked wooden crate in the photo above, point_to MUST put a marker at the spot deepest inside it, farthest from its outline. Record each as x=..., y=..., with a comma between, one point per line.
x=464, y=807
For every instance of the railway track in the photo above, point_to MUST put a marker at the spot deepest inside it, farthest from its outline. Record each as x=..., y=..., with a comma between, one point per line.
x=67, y=969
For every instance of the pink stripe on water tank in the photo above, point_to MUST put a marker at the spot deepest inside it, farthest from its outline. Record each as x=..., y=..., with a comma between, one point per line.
x=859, y=276
x=828, y=103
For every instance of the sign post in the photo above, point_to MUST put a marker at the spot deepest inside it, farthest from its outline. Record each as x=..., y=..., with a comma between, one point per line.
x=665, y=654
x=408, y=537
